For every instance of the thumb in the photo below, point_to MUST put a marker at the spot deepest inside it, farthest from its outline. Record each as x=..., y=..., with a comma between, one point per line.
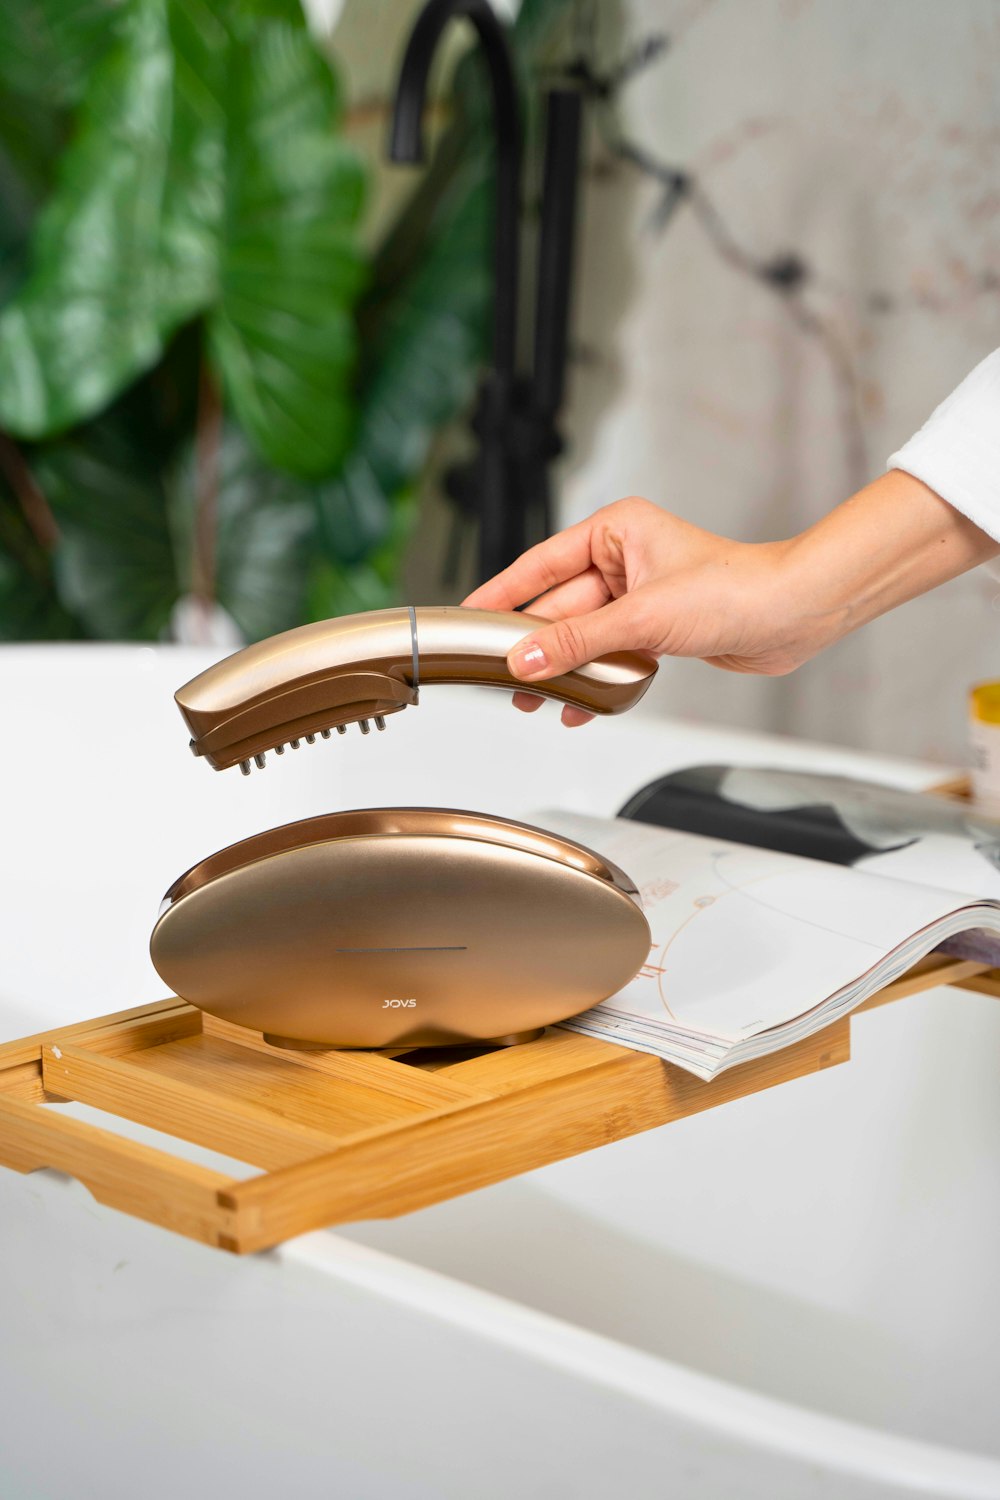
x=553, y=649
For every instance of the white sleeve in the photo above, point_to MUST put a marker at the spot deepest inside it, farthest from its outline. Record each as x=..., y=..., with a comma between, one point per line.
x=957, y=451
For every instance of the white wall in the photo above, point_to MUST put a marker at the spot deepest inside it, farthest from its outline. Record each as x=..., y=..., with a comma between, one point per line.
x=867, y=138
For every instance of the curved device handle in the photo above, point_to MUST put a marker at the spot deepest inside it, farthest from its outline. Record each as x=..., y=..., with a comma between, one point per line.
x=316, y=678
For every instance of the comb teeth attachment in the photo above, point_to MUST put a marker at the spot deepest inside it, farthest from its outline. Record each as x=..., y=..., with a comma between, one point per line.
x=259, y=760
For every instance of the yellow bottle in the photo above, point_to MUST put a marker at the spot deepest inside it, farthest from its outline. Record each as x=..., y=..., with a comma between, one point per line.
x=984, y=737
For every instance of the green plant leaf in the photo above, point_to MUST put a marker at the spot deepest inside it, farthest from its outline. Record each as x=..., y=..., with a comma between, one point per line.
x=281, y=332
x=114, y=563
x=206, y=177
x=15, y=221
x=48, y=48
x=426, y=352
x=29, y=606
x=339, y=588
x=30, y=610
x=121, y=252
x=264, y=524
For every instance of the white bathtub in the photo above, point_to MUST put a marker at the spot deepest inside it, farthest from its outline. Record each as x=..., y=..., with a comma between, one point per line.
x=792, y=1296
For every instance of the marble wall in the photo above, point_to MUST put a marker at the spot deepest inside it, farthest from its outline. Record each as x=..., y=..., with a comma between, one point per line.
x=861, y=141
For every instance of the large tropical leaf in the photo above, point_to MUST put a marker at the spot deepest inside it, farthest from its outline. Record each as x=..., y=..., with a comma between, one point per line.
x=281, y=331
x=121, y=253
x=16, y=216
x=205, y=178
x=114, y=563
x=263, y=524
x=29, y=606
x=48, y=48
x=370, y=580
x=119, y=568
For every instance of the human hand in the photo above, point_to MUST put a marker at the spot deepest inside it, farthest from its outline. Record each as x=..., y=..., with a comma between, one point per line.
x=634, y=577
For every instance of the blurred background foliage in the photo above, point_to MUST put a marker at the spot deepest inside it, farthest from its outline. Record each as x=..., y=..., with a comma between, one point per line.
x=218, y=390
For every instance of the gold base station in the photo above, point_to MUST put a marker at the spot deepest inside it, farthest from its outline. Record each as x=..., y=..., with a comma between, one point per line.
x=400, y=927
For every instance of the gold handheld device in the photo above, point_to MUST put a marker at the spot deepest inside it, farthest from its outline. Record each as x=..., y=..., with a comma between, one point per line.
x=393, y=927
x=318, y=678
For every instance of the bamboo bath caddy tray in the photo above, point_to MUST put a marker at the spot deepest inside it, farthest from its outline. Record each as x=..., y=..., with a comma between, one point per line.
x=350, y=1135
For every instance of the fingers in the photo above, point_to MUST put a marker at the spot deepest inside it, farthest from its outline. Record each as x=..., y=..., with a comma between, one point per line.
x=567, y=643
x=536, y=571
x=577, y=596
x=529, y=703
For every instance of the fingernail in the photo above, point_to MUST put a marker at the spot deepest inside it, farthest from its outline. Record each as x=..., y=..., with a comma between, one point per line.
x=528, y=660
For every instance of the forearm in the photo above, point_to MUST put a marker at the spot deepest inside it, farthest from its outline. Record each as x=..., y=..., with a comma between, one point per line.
x=635, y=577
x=891, y=541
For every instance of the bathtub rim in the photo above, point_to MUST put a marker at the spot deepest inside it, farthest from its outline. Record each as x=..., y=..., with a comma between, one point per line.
x=721, y=1409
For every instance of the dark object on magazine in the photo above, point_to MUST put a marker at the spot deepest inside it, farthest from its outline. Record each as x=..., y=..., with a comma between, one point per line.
x=700, y=799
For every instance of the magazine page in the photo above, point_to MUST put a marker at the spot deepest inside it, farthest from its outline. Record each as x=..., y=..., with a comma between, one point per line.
x=746, y=939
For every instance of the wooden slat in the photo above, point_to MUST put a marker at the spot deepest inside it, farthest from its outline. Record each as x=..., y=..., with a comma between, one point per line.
x=337, y=1106
x=28, y=1048
x=371, y=1069
x=954, y=786
x=234, y=1127
x=123, y=1174
x=24, y=1081
x=144, y=1026
x=985, y=983
x=390, y=1172
x=148, y=1031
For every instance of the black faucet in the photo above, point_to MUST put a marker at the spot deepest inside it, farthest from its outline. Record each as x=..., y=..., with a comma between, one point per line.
x=507, y=484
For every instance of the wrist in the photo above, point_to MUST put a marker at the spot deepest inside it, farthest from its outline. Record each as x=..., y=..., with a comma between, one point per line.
x=789, y=616
x=822, y=589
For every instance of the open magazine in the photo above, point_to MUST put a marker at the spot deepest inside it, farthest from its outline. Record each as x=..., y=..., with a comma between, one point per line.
x=754, y=948
x=933, y=840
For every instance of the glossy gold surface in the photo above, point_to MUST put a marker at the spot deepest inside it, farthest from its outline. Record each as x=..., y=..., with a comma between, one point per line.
x=360, y=667
x=399, y=927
